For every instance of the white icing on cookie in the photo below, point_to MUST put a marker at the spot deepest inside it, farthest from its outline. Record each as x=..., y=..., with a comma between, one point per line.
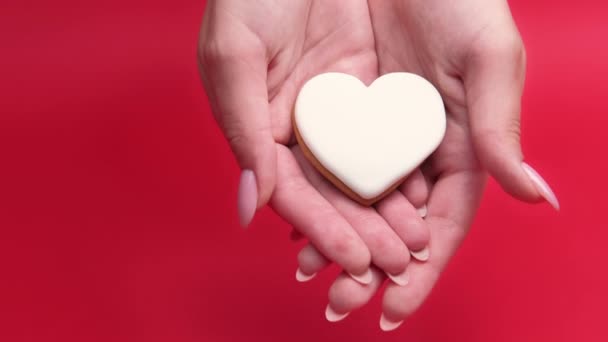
x=370, y=137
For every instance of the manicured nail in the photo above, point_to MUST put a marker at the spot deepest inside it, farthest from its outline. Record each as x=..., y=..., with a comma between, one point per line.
x=247, y=197
x=422, y=211
x=543, y=188
x=365, y=278
x=303, y=277
x=400, y=279
x=333, y=316
x=388, y=325
x=421, y=255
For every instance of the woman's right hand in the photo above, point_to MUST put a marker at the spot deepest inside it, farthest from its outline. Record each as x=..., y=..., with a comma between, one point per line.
x=472, y=52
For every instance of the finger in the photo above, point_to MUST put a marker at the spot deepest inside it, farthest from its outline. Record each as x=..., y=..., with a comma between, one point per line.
x=234, y=75
x=494, y=80
x=387, y=250
x=415, y=189
x=296, y=201
x=347, y=295
x=310, y=263
x=406, y=222
x=449, y=221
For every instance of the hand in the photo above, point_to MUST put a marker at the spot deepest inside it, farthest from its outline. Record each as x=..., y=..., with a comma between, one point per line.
x=254, y=58
x=471, y=51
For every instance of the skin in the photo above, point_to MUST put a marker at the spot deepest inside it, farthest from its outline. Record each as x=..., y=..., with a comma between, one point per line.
x=261, y=52
x=243, y=57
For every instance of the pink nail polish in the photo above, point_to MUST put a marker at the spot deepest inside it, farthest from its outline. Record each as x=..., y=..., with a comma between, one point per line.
x=541, y=186
x=401, y=279
x=247, y=197
x=422, y=211
x=303, y=277
x=421, y=255
x=333, y=316
x=365, y=278
x=388, y=325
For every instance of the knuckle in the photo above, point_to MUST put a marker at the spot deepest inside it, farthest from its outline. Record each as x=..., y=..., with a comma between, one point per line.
x=492, y=140
x=235, y=138
x=510, y=133
x=507, y=46
x=242, y=136
x=388, y=253
x=209, y=52
x=379, y=243
x=214, y=51
x=374, y=231
x=342, y=245
x=365, y=219
x=348, y=252
x=513, y=131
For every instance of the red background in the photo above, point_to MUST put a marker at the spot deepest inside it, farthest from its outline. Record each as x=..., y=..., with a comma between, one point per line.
x=117, y=191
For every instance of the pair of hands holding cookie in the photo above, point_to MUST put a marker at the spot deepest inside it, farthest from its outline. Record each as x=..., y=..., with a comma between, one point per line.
x=255, y=56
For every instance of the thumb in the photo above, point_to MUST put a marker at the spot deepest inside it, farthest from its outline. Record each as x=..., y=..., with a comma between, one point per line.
x=494, y=82
x=235, y=80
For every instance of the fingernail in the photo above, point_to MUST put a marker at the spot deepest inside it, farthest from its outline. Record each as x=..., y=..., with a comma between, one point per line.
x=400, y=279
x=421, y=255
x=303, y=277
x=247, y=197
x=422, y=211
x=333, y=316
x=365, y=278
x=388, y=325
x=543, y=188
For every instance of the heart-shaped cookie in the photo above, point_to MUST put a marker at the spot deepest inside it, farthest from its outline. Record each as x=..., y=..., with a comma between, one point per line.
x=366, y=140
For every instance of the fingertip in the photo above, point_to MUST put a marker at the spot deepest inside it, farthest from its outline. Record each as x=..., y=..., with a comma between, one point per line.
x=364, y=278
x=387, y=324
x=421, y=255
x=332, y=316
x=401, y=279
x=405, y=220
x=415, y=189
x=397, y=304
x=347, y=295
x=356, y=259
x=541, y=186
x=526, y=184
x=311, y=261
x=422, y=211
x=303, y=277
x=506, y=168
